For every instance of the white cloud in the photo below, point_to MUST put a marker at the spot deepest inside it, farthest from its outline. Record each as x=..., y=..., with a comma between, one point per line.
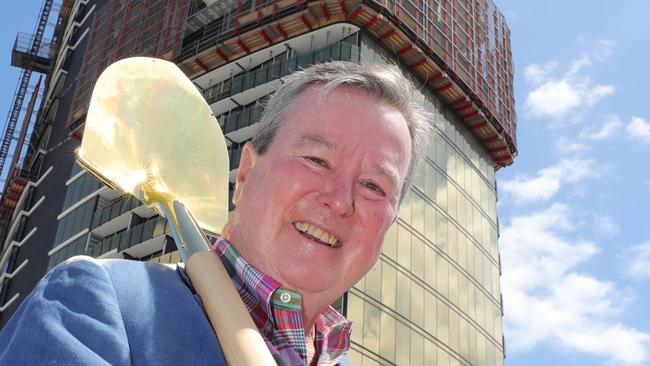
x=570, y=146
x=605, y=224
x=555, y=98
x=638, y=265
x=639, y=129
x=547, y=300
x=609, y=128
x=604, y=48
x=536, y=74
x=548, y=181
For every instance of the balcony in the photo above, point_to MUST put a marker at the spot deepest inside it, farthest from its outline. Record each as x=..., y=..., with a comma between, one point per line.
x=276, y=69
x=110, y=213
x=140, y=240
x=25, y=56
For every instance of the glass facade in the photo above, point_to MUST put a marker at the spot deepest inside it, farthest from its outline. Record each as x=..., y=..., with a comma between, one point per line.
x=433, y=298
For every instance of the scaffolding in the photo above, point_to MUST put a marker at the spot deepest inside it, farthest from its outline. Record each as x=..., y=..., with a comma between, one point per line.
x=30, y=62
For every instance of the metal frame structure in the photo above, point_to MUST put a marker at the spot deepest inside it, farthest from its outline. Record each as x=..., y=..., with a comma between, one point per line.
x=470, y=71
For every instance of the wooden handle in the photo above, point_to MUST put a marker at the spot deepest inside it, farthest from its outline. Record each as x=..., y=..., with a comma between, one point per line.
x=241, y=342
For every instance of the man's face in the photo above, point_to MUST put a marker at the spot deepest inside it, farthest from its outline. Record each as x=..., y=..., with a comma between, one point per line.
x=313, y=210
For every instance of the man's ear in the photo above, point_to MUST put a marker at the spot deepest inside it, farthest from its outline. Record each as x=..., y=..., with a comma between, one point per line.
x=246, y=164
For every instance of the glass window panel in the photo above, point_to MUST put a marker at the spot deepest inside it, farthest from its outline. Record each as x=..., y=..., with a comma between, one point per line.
x=481, y=350
x=452, y=202
x=443, y=358
x=388, y=285
x=443, y=276
x=480, y=308
x=404, y=247
x=403, y=295
x=418, y=180
x=453, y=330
x=462, y=250
x=355, y=314
x=429, y=180
x=453, y=285
x=478, y=266
x=441, y=191
x=430, y=222
x=430, y=353
x=463, y=297
x=417, y=349
x=368, y=361
x=387, y=337
x=489, y=317
x=390, y=242
x=371, y=327
x=470, y=258
x=471, y=291
x=417, y=218
x=430, y=313
x=417, y=257
x=463, y=338
x=430, y=266
x=453, y=242
x=472, y=345
x=417, y=305
x=441, y=232
x=402, y=348
x=442, y=313
x=451, y=162
x=355, y=356
x=373, y=281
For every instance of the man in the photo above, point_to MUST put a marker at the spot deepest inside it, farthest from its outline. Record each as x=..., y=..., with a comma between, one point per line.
x=316, y=190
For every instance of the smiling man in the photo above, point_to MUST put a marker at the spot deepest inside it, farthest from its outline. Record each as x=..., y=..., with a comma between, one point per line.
x=316, y=190
x=318, y=187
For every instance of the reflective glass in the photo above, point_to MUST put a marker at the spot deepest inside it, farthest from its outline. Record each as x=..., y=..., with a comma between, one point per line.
x=402, y=346
x=403, y=295
x=388, y=285
x=371, y=327
x=417, y=349
x=387, y=337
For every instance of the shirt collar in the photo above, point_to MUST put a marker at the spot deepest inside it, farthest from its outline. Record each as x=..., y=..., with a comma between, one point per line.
x=264, y=298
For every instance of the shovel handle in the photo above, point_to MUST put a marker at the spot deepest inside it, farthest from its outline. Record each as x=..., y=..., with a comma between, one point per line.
x=238, y=336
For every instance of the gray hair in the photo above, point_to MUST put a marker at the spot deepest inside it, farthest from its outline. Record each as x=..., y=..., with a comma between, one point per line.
x=386, y=83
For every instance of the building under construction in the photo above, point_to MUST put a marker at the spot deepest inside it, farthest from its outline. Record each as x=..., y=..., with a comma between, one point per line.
x=434, y=295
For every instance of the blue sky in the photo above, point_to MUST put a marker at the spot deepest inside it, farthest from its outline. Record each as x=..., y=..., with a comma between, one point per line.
x=575, y=227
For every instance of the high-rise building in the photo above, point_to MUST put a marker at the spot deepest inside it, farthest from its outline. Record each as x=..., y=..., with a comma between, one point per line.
x=434, y=296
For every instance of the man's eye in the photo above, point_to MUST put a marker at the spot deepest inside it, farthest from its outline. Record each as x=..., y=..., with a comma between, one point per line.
x=374, y=187
x=319, y=161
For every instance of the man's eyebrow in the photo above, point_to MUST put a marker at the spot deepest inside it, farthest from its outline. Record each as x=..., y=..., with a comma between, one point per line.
x=388, y=171
x=313, y=139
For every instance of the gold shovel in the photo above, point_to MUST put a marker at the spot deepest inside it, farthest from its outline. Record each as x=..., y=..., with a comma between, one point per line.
x=150, y=133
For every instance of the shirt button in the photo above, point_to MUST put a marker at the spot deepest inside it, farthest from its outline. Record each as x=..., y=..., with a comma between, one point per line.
x=285, y=297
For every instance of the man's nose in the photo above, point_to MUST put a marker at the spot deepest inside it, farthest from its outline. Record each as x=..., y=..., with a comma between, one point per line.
x=339, y=197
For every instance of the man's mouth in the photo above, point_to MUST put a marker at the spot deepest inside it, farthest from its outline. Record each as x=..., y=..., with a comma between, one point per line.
x=317, y=234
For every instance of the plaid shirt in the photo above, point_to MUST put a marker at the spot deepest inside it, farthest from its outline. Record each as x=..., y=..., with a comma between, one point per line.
x=277, y=314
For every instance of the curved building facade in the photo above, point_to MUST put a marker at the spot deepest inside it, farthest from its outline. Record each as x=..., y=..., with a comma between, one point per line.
x=433, y=298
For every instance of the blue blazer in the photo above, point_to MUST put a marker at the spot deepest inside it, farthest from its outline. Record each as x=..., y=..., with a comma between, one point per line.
x=110, y=312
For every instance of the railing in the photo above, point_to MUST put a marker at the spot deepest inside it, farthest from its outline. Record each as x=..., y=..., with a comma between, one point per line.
x=122, y=205
x=240, y=118
x=149, y=229
x=24, y=42
x=276, y=69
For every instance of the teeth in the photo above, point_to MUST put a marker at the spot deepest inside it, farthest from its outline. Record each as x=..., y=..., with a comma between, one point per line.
x=317, y=233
